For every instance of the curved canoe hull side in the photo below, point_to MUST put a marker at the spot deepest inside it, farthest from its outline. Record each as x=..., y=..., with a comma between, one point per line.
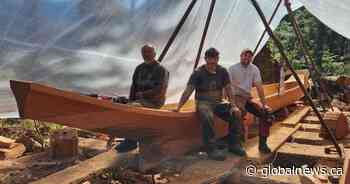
x=44, y=103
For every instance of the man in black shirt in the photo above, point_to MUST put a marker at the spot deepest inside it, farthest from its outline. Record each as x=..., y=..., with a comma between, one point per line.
x=210, y=81
x=148, y=88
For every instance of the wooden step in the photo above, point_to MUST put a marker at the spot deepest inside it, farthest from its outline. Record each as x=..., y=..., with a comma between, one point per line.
x=311, y=120
x=310, y=127
x=279, y=135
x=12, y=153
x=296, y=116
x=311, y=138
x=307, y=150
x=6, y=142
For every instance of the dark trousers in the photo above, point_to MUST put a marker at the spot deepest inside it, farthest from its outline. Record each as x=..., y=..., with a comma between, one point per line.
x=265, y=118
x=206, y=112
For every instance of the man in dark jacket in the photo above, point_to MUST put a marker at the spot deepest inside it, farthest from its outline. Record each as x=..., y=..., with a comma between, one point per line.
x=148, y=88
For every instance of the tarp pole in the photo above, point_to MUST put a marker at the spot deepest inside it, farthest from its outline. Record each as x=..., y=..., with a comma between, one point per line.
x=204, y=35
x=263, y=34
x=284, y=56
x=177, y=30
x=312, y=67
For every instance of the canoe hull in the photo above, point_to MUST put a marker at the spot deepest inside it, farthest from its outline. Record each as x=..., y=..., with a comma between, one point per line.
x=48, y=104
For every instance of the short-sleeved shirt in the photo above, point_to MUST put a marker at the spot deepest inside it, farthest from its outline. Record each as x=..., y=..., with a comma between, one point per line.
x=244, y=78
x=152, y=80
x=209, y=86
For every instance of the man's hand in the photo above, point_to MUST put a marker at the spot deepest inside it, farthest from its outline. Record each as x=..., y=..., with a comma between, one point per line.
x=175, y=110
x=236, y=111
x=267, y=108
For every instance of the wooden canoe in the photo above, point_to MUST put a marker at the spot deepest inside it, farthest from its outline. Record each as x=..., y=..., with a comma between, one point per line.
x=170, y=129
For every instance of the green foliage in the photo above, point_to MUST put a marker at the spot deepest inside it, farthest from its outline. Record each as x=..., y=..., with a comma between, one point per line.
x=330, y=65
x=326, y=47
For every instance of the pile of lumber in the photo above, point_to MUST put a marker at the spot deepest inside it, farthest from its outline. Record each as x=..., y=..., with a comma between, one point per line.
x=9, y=149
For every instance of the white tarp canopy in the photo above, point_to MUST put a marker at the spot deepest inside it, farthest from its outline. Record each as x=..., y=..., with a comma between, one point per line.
x=94, y=46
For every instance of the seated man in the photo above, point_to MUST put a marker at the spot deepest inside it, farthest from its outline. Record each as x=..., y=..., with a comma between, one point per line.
x=148, y=88
x=209, y=81
x=244, y=75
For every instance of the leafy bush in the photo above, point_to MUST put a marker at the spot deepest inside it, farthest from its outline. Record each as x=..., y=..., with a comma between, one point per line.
x=330, y=66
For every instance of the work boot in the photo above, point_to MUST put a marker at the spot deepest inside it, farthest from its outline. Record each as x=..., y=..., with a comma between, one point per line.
x=214, y=153
x=237, y=149
x=234, y=142
x=263, y=148
x=126, y=146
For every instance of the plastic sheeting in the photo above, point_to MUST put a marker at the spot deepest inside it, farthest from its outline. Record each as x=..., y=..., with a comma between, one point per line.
x=334, y=13
x=94, y=46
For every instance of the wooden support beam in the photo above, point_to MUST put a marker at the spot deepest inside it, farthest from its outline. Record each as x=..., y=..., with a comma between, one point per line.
x=294, y=118
x=87, y=168
x=279, y=135
x=307, y=150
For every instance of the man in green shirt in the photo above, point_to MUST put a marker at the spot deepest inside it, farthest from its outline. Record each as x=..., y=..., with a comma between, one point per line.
x=209, y=82
x=148, y=88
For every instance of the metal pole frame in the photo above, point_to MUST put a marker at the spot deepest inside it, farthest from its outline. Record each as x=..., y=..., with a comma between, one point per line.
x=204, y=35
x=271, y=18
x=176, y=31
x=284, y=56
x=307, y=54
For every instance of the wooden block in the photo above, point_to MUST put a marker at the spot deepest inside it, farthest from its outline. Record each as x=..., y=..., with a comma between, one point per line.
x=337, y=122
x=296, y=116
x=6, y=142
x=308, y=150
x=12, y=153
x=64, y=143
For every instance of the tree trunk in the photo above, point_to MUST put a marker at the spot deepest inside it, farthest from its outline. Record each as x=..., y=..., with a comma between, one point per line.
x=320, y=39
